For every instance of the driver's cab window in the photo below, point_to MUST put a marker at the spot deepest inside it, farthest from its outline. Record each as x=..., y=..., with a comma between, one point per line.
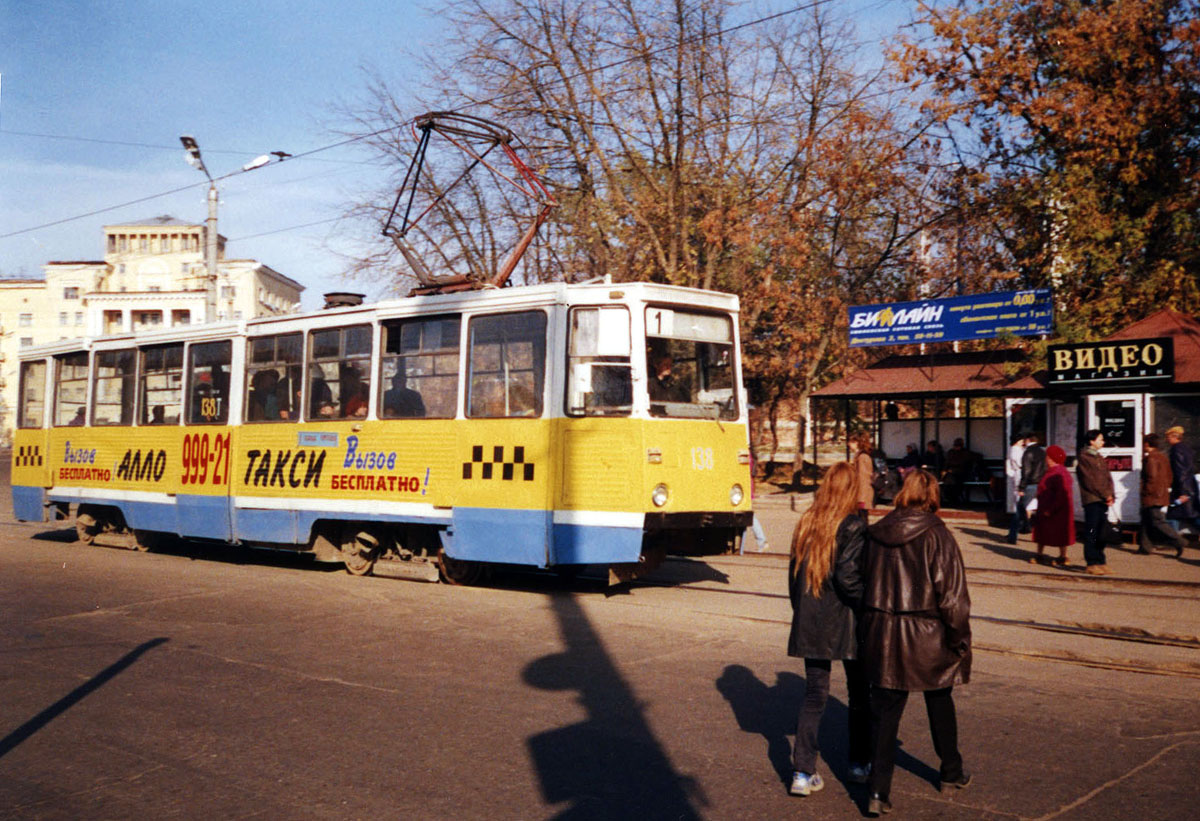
x=689, y=363
x=208, y=380
x=599, y=372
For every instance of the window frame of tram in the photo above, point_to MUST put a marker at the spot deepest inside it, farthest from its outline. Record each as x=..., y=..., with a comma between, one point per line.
x=77, y=379
x=160, y=376
x=695, y=358
x=339, y=357
x=277, y=359
x=599, y=361
x=30, y=399
x=208, y=398
x=114, y=380
x=504, y=349
x=427, y=352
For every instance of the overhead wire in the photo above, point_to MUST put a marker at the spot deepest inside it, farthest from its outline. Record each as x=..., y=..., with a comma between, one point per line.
x=812, y=4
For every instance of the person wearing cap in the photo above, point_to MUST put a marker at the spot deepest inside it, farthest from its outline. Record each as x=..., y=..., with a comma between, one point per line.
x=1156, y=495
x=1054, y=521
x=1097, y=495
x=1185, y=504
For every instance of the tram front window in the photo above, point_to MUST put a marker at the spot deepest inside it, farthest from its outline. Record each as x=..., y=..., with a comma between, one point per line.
x=689, y=362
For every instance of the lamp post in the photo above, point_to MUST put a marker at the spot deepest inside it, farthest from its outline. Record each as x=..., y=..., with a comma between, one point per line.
x=210, y=230
x=193, y=158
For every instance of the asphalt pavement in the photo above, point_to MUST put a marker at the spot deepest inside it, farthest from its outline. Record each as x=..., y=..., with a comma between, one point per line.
x=201, y=682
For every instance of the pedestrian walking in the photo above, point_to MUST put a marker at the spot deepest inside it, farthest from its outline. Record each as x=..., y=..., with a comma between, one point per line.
x=756, y=528
x=826, y=589
x=1185, y=498
x=864, y=467
x=1096, y=495
x=1031, y=469
x=1054, y=518
x=1156, y=495
x=915, y=631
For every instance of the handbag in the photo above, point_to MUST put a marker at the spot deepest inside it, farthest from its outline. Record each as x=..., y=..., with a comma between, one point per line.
x=1109, y=532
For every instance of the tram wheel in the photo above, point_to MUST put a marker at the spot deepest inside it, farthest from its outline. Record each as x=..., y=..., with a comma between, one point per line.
x=459, y=571
x=86, y=527
x=360, y=550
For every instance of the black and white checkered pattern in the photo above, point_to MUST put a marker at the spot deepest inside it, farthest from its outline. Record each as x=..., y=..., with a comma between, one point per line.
x=508, y=469
x=28, y=456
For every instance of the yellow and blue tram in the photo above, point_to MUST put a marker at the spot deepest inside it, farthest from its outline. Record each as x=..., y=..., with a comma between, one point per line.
x=547, y=425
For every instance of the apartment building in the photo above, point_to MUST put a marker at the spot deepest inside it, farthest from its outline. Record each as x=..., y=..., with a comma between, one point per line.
x=152, y=275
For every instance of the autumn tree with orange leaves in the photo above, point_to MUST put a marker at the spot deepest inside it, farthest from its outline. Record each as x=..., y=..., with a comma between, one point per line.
x=686, y=147
x=1073, y=129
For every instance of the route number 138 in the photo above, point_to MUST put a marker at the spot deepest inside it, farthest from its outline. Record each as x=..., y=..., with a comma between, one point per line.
x=702, y=459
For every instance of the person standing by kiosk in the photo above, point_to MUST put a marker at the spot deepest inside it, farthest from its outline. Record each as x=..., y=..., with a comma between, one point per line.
x=1096, y=495
x=1156, y=495
x=1184, y=502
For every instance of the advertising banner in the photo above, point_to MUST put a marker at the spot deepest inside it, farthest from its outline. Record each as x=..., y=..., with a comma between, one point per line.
x=979, y=316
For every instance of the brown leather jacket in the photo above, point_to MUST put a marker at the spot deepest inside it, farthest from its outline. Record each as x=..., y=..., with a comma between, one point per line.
x=1156, y=480
x=1095, y=481
x=915, y=629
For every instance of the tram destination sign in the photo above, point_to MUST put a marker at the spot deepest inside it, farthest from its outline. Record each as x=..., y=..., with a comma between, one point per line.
x=1121, y=360
x=979, y=316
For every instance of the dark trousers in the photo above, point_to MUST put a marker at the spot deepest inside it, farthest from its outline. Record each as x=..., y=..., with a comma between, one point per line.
x=1156, y=530
x=1020, y=518
x=1094, y=514
x=887, y=706
x=816, y=693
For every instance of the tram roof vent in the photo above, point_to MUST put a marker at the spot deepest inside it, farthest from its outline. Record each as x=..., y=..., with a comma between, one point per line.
x=342, y=299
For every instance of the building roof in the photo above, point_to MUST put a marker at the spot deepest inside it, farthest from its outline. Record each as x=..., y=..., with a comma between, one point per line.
x=165, y=219
x=1184, y=331
x=912, y=375
x=21, y=281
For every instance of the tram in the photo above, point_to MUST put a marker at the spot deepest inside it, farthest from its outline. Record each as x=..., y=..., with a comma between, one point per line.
x=548, y=425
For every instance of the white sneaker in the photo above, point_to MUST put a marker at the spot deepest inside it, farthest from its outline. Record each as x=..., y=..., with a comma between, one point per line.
x=804, y=784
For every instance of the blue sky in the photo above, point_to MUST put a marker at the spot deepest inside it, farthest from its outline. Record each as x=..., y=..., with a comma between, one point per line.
x=122, y=80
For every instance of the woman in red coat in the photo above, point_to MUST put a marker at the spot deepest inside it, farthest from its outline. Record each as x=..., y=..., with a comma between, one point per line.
x=1054, y=523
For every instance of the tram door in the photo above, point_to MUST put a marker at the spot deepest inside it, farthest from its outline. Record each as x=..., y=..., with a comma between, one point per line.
x=1119, y=416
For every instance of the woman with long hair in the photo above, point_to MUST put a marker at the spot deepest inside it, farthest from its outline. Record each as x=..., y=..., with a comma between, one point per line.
x=915, y=630
x=826, y=587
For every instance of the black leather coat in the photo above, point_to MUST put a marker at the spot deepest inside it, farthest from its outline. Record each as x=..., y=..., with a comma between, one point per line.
x=914, y=628
x=824, y=628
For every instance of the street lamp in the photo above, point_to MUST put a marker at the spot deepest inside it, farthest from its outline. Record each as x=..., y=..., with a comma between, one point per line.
x=192, y=155
x=210, y=239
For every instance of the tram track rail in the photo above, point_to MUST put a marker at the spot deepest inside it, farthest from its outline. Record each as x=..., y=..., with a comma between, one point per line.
x=1100, y=631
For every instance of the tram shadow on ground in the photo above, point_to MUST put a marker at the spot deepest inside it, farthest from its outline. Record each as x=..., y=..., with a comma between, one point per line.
x=609, y=765
x=771, y=711
x=207, y=551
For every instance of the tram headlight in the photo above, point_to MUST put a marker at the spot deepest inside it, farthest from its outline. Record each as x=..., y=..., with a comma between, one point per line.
x=660, y=495
x=736, y=494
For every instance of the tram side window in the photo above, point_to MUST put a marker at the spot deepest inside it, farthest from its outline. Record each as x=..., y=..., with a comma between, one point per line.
x=33, y=394
x=112, y=396
x=70, y=389
x=273, y=378
x=208, y=381
x=507, y=365
x=419, y=368
x=339, y=372
x=161, y=385
x=599, y=372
